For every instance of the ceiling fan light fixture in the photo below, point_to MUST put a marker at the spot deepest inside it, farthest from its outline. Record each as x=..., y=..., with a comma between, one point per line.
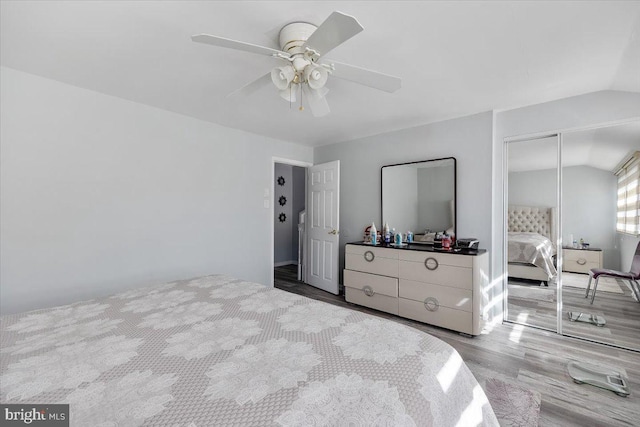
x=289, y=93
x=302, y=46
x=282, y=76
x=316, y=76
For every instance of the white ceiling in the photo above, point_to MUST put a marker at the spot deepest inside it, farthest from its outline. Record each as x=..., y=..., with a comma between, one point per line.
x=455, y=58
x=602, y=148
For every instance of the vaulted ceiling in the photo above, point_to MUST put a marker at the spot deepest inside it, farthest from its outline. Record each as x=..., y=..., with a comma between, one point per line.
x=601, y=148
x=455, y=58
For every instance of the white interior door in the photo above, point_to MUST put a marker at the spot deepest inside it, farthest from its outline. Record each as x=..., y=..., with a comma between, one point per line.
x=323, y=192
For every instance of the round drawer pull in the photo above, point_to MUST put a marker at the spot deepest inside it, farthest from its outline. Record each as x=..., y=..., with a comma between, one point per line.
x=368, y=291
x=581, y=261
x=431, y=304
x=369, y=256
x=431, y=263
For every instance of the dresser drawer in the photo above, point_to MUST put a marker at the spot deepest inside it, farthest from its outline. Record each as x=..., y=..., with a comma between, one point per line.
x=377, y=301
x=445, y=317
x=445, y=296
x=377, y=251
x=581, y=261
x=441, y=258
x=373, y=260
x=429, y=270
x=371, y=283
x=578, y=266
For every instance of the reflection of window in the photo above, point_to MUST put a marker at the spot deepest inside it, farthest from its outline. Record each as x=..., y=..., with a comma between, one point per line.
x=628, y=191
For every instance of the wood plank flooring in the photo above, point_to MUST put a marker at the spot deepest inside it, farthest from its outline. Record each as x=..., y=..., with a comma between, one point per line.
x=621, y=312
x=527, y=357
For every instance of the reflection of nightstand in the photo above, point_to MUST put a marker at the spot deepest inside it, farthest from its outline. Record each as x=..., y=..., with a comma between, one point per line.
x=581, y=260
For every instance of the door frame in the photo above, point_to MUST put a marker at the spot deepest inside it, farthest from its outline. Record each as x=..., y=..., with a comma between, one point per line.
x=271, y=199
x=505, y=222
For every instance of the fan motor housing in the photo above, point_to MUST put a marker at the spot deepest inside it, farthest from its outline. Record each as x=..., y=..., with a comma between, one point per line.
x=294, y=35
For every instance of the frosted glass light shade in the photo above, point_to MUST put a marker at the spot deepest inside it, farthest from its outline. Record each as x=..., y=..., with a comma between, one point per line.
x=316, y=76
x=282, y=76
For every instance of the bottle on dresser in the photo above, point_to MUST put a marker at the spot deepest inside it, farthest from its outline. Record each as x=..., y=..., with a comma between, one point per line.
x=446, y=242
x=387, y=233
x=397, y=239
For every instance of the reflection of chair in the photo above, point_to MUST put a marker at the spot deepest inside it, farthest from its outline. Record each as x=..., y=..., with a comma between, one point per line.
x=632, y=276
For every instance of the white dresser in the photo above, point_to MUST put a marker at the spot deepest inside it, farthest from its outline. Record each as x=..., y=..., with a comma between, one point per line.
x=445, y=289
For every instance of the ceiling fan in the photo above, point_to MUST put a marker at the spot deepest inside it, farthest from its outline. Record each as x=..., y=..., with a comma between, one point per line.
x=302, y=49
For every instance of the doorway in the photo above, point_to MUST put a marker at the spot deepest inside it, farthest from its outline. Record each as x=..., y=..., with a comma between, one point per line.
x=318, y=239
x=289, y=204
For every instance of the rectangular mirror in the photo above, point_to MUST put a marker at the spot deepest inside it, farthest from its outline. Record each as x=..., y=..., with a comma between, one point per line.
x=420, y=197
x=599, y=213
x=532, y=231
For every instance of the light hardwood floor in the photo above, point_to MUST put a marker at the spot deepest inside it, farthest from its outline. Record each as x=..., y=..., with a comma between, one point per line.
x=527, y=357
x=621, y=312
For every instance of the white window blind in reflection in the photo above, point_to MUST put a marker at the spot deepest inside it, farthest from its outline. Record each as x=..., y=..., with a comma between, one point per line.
x=628, y=217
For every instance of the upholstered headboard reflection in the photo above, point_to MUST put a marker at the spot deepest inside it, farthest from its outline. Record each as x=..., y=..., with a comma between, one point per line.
x=533, y=219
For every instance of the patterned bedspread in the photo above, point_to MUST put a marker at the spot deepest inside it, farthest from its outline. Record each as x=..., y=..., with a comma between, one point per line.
x=217, y=351
x=532, y=248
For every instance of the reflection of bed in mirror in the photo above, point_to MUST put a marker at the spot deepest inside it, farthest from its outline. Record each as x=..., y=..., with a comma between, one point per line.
x=531, y=243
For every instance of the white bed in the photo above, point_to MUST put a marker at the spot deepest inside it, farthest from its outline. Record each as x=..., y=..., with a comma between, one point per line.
x=219, y=351
x=531, y=243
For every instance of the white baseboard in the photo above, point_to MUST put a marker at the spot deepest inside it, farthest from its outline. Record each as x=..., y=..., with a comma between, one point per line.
x=280, y=264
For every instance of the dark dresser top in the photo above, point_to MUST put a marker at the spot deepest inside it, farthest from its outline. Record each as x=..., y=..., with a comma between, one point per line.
x=582, y=249
x=425, y=248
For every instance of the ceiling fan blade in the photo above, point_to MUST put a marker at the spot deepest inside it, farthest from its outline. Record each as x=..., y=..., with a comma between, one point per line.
x=235, y=44
x=317, y=101
x=335, y=30
x=366, y=77
x=250, y=88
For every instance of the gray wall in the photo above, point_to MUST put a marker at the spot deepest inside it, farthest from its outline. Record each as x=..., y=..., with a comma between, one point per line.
x=534, y=188
x=282, y=231
x=565, y=114
x=588, y=199
x=436, y=186
x=285, y=234
x=468, y=139
x=400, y=195
x=99, y=194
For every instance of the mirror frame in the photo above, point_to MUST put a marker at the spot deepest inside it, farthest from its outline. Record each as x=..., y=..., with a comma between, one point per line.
x=455, y=189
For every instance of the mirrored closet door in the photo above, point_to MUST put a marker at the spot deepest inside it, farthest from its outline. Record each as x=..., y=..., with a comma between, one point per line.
x=532, y=218
x=568, y=227
x=599, y=193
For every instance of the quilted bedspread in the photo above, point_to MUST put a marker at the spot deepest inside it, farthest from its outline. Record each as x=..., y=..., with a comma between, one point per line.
x=532, y=248
x=215, y=351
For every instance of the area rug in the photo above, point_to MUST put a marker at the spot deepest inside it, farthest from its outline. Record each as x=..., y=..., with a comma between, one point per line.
x=538, y=293
x=605, y=284
x=513, y=405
